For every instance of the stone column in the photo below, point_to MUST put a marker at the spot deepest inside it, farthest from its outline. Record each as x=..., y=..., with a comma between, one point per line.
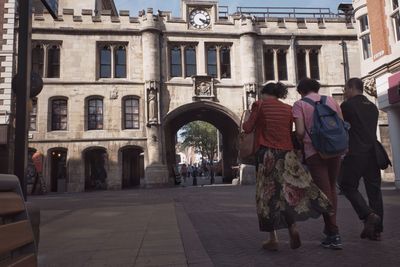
x=276, y=74
x=248, y=61
x=156, y=172
x=394, y=130
x=308, y=69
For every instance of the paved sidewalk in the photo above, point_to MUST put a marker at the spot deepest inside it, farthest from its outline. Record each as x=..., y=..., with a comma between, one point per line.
x=195, y=226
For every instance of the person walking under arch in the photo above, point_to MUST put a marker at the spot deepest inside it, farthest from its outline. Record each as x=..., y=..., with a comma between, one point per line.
x=324, y=170
x=285, y=192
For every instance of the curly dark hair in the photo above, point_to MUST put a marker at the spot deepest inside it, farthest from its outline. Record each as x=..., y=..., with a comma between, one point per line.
x=276, y=89
x=308, y=85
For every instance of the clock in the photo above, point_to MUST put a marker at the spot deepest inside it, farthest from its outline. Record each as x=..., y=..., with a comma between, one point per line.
x=199, y=18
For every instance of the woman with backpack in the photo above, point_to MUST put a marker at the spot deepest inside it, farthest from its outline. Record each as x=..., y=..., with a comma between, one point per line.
x=325, y=139
x=285, y=192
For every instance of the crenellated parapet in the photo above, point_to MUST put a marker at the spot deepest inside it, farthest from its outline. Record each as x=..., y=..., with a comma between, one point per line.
x=235, y=24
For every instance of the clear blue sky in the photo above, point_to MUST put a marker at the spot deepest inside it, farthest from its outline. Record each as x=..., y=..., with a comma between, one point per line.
x=174, y=5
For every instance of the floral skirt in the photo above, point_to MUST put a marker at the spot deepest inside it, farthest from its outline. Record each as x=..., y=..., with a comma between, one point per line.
x=285, y=191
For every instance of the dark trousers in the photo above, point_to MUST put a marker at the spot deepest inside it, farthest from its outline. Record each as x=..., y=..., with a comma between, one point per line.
x=324, y=173
x=353, y=168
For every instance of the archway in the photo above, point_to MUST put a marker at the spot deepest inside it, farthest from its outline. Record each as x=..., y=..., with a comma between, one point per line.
x=222, y=118
x=132, y=159
x=95, y=168
x=58, y=169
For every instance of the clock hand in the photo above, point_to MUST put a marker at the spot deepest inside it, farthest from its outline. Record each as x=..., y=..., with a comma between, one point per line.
x=203, y=20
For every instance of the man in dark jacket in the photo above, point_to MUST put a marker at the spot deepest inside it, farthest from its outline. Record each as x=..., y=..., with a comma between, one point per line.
x=360, y=160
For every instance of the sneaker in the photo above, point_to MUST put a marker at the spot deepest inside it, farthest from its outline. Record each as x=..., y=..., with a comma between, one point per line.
x=333, y=242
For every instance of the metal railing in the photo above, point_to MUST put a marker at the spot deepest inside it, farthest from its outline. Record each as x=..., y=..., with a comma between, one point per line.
x=287, y=12
x=223, y=11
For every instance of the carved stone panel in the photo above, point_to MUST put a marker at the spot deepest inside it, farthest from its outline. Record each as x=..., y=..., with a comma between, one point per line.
x=370, y=86
x=250, y=94
x=203, y=87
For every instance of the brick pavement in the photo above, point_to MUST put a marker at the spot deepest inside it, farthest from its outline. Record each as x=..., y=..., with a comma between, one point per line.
x=202, y=226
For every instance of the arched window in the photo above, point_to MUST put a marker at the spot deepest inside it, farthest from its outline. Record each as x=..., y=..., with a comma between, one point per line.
x=53, y=60
x=95, y=114
x=59, y=114
x=120, y=62
x=38, y=60
x=131, y=113
x=105, y=62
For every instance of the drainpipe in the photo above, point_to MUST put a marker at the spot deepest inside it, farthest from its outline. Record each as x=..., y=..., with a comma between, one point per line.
x=345, y=63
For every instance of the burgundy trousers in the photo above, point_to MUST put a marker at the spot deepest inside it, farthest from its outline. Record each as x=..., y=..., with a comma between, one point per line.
x=324, y=173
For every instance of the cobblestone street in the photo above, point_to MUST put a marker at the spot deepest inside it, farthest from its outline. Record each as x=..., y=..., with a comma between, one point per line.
x=195, y=226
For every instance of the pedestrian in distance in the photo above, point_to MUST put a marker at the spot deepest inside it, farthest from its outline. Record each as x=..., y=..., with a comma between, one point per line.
x=184, y=172
x=360, y=161
x=322, y=162
x=285, y=192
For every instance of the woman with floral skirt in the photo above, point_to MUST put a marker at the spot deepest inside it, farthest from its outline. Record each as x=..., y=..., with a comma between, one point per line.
x=285, y=192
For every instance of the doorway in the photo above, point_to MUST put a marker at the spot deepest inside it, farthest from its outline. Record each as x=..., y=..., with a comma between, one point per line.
x=95, y=169
x=58, y=170
x=132, y=166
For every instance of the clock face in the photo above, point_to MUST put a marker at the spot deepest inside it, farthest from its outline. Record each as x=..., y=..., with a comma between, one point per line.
x=199, y=18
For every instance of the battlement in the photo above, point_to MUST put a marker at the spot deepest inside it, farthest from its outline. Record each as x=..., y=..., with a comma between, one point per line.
x=261, y=18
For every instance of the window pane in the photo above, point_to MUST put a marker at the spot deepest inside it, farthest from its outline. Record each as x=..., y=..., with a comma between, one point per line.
x=120, y=63
x=301, y=64
x=282, y=65
x=225, y=62
x=53, y=62
x=190, y=70
x=190, y=59
x=33, y=115
x=38, y=60
x=59, y=115
x=269, y=65
x=366, y=45
x=364, y=25
x=396, y=25
x=176, y=71
x=395, y=4
x=176, y=62
x=314, y=65
x=95, y=114
x=131, y=113
x=212, y=61
x=105, y=62
x=190, y=56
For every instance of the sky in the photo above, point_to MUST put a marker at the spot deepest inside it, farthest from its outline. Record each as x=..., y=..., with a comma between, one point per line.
x=174, y=5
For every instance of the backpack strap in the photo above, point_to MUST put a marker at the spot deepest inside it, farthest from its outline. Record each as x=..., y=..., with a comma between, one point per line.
x=309, y=101
x=323, y=100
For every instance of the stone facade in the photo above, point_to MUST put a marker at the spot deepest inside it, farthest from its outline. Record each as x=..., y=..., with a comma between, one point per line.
x=166, y=101
x=7, y=44
x=379, y=64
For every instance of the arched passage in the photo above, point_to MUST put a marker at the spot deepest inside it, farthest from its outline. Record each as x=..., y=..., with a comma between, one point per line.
x=219, y=116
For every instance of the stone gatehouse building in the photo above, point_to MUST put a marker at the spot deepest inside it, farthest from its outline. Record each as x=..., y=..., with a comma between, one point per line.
x=118, y=87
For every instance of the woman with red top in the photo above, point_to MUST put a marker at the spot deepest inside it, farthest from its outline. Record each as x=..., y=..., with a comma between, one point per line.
x=284, y=189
